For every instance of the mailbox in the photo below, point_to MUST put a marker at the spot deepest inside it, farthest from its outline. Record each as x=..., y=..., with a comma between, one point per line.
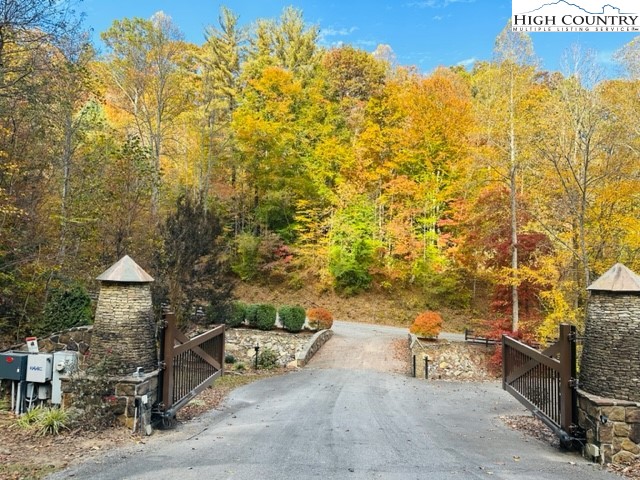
x=13, y=366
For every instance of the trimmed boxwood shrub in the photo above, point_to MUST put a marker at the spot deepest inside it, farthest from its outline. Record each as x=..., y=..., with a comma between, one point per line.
x=250, y=316
x=237, y=315
x=265, y=316
x=292, y=318
x=320, y=318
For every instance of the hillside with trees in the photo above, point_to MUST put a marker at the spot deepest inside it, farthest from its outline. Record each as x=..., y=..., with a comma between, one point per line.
x=260, y=157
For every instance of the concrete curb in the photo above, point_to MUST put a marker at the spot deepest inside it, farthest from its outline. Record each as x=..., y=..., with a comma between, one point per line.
x=319, y=339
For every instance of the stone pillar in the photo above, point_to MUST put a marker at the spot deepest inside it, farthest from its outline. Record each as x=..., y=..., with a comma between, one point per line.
x=609, y=394
x=124, y=328
x=611, y=356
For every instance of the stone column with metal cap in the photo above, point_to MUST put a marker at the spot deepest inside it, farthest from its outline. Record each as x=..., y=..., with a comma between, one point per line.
x=609, y=394
x=124, y=329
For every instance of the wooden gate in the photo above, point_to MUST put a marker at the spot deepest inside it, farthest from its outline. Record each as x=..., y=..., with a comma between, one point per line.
x=545, y=382
x=189, y=365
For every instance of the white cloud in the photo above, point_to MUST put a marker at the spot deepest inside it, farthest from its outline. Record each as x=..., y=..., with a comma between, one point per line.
x=334, y=32
x=467, y=62
x=326, y=33
x=367, y=43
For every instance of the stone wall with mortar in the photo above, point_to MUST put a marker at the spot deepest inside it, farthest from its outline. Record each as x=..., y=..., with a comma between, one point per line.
x=312, y=347
x=76, y=339
x=449, y=360
x=124, y=327
x=610, y=364
x=240, y=343
x=130, y=398
x=612, y=428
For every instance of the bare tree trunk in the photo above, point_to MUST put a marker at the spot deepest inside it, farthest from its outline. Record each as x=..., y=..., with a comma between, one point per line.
x=66, y=179
x=513, y=190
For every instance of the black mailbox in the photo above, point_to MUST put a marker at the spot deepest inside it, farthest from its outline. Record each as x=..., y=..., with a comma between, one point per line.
x=13, y=366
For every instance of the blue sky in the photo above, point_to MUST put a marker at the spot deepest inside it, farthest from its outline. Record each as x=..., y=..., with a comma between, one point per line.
x=424, y=33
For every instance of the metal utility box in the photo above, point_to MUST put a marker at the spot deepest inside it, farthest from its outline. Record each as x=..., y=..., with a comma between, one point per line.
x=13, y=366
x=65, y=363
x=39, y=367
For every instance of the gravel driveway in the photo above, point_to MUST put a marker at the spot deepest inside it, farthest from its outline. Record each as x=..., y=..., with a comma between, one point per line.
x=348, y=415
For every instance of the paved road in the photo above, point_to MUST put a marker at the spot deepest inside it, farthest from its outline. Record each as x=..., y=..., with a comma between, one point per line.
x=332, y=422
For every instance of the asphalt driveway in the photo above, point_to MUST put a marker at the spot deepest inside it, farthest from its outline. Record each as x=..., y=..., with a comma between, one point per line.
x=345, y=417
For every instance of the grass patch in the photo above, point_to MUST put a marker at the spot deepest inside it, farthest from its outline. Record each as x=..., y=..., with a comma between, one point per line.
x=25, y=472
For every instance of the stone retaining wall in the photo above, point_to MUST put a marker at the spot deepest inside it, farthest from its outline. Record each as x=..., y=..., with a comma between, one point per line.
x=240, y=343
x=319, y=339
x=449, y=360
x=76, y=339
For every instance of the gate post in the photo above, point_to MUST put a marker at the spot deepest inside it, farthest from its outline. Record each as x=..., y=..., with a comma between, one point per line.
x=567, y=376
x=167, y=358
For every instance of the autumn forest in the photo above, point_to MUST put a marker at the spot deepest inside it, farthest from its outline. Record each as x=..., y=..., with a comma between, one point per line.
x=260, y=156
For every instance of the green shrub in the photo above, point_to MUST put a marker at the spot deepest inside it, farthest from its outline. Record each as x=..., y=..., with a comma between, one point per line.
x=251, y=312
x=228, y=358
x=292, y=318
x=268, y=358
x=265, y=317
x=237, y=315
x=218, y=312
x=65, y=308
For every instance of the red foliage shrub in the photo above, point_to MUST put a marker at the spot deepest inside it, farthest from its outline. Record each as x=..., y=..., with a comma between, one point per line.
x=320, y=318
x=494, y=329
x=427, y=324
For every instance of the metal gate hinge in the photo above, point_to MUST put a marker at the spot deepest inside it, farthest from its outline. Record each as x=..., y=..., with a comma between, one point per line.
x=573, y=382
x=162, y=365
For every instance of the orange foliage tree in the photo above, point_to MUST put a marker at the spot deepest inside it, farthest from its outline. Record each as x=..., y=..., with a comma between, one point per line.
x=320, y=318
x=427, y=324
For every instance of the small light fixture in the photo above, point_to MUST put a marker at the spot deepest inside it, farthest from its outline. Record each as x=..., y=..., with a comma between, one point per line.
x=257, y=349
